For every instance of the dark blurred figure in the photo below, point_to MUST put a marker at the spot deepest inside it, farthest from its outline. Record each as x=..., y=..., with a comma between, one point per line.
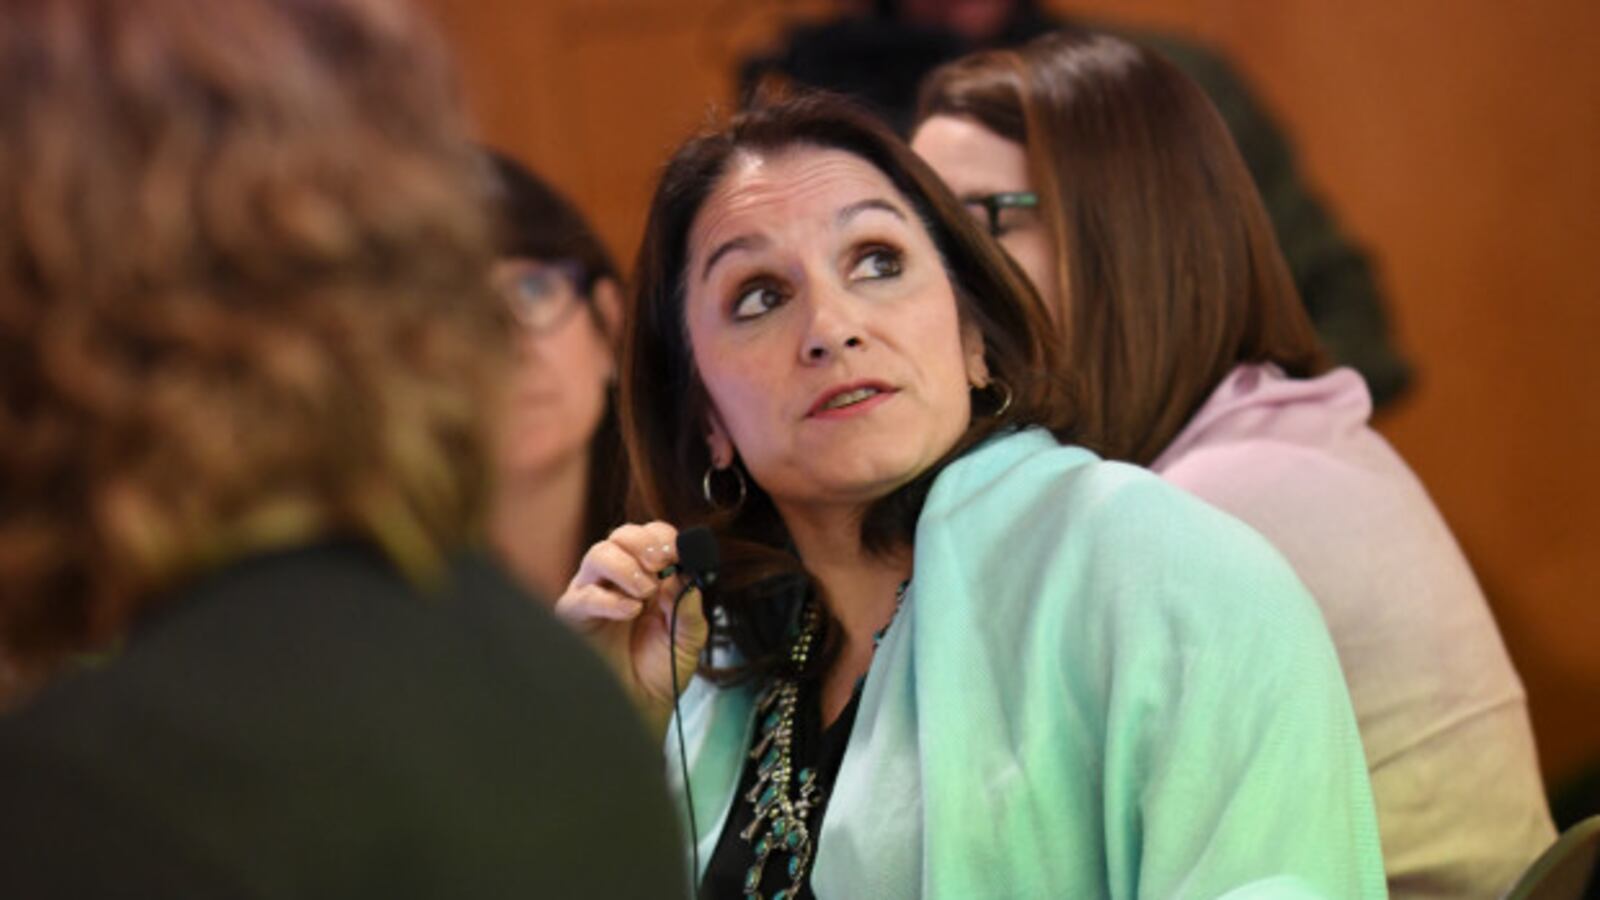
x=562, y=480
x=248, y=356
x=1572, y=802
x=881, y=53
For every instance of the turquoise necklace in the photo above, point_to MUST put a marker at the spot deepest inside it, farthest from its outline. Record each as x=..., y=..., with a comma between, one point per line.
x=785, y=799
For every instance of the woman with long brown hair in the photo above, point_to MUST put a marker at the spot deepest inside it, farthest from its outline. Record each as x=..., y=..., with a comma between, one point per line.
x=948, y=655
x=1110, y=179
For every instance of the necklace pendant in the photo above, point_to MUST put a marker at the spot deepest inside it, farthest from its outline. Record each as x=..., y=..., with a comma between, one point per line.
x=765, y=802
x=772, y=722
x=752, y=879
x=749, y=834
x=765, y=767
x=762, y=745
x=769, y=695
x=756, y=789
x=794, y=837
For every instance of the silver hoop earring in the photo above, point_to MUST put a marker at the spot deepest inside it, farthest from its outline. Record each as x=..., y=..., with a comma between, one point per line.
x=711, y=499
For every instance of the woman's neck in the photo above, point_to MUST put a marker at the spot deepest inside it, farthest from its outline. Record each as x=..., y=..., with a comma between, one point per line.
x=858, y=588
x=537, y=524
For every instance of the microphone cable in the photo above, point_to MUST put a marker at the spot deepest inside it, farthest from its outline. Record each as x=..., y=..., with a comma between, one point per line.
x=698, y=562
x=683, y=751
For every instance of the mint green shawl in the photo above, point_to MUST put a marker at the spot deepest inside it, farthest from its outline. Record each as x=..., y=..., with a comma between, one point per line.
x=1097, y=687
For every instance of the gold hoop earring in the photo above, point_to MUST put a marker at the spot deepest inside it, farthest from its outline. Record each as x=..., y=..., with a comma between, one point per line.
x=1006, y=403
x=1005, y=396
x=711, y=499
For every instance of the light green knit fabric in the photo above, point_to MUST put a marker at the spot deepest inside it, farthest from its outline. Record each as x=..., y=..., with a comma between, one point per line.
x=1097, y=687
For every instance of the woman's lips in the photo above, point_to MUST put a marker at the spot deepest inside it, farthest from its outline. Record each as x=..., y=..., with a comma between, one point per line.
x=849, y=400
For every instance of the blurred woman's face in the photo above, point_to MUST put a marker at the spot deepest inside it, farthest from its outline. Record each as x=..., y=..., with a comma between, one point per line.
x=976, y=163
x=564, y=364
x=825, y=329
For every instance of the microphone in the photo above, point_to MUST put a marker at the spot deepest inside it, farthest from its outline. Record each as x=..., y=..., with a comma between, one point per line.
x=698, y=557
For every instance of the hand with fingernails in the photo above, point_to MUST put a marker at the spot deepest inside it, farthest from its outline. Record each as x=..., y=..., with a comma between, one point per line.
x=620, y=602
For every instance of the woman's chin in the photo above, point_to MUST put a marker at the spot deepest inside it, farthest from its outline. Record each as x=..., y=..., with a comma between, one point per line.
x=853, y=482
x=537, y=457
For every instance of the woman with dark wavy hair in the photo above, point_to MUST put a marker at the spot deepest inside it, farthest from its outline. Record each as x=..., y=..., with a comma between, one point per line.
x=248, y=363
x=948, y=655
x=1109, y=178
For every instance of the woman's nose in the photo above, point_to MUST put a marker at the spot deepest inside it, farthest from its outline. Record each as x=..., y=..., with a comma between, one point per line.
x=530, y=349
x=834, y=327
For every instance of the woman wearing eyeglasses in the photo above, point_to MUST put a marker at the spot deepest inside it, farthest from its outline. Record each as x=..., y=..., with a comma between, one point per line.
x=1112, y=182
x=562, y=480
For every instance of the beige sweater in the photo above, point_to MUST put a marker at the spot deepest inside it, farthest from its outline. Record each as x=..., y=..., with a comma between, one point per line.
x=1461, y=809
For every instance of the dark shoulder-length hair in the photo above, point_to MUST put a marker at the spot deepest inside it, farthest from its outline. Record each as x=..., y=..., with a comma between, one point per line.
x=665, y=405
x=535, y=221
x=242, y=300
x=1168, y=271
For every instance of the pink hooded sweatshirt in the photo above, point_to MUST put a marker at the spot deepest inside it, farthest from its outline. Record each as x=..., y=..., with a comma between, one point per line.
x=1443, y=718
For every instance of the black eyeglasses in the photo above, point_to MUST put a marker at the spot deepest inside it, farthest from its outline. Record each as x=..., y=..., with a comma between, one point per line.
x=540, y=295
x=995, y=204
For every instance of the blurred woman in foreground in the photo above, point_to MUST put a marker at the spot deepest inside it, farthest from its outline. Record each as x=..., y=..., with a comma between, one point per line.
x=1109, y=178
x=949, y=656
x=249, y=360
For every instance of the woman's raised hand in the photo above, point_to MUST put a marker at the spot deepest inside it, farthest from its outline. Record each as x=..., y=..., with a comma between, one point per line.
x=620, y=602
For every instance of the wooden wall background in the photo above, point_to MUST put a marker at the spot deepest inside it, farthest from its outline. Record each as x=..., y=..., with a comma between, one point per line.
x=1459, y=139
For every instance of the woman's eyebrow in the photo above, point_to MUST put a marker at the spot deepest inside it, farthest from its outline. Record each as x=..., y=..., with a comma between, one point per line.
x=861, y=206
x=755, y=241
x=742, y=242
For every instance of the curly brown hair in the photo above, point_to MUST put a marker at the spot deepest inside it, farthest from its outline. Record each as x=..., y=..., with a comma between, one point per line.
x=243, y=299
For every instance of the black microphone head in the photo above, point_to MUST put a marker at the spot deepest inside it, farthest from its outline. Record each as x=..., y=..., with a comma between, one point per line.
x=697, y=553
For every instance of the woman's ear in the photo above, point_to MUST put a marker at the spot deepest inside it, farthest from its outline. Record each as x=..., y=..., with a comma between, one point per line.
x=606, y=295
x=718, y=442
x=972, y=350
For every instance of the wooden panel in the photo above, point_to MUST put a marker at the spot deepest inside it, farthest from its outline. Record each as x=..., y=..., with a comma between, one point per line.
x=595, y=93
